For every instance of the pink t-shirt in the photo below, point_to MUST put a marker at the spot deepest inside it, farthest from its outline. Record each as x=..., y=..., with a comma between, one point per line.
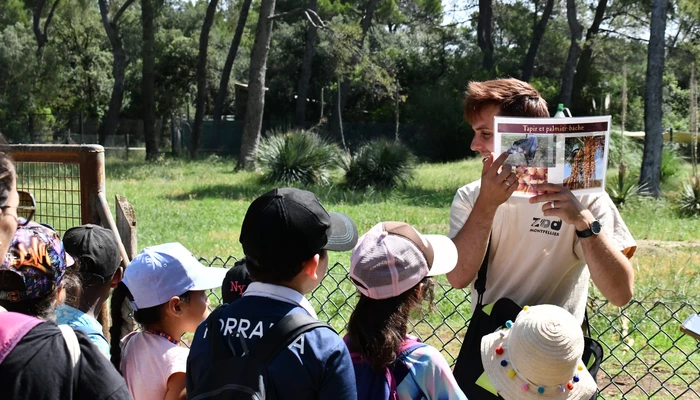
x=148, y=361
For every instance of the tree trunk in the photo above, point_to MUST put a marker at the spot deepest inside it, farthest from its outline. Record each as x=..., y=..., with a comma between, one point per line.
x=576, y=30
x=305, y=76
x=201, y=99
x=365, y=23
x=537, y=34
x=228, y=66
x=397, y=103
x=579, y=104
x=148, y=78
x=622, y=167
x=484, y=31
x=650, y=174
x=694, y=121
x=256, y=86
x=339, y=111
x=110, y=122
x=41, y=34
x=336, y=118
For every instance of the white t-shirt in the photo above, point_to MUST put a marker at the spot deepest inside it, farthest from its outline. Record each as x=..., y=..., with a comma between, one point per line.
x=535, y=259
x=148, y=360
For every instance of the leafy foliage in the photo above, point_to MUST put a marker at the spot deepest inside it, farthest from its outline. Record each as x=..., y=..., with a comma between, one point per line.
x=380, y=164
x=690, y=197
x=421, y=52
x=297, y=157
x=671, y=162
x=621, y=192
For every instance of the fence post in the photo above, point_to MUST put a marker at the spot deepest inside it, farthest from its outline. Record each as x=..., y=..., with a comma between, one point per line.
x=92, y=182
x=126, y=142
x=80, y=126
x=126, y=225
x=31, y=128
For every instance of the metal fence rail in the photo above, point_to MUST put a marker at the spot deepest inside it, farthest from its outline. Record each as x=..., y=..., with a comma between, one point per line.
x=646, y=355
x=68, y=184
x=56, y=188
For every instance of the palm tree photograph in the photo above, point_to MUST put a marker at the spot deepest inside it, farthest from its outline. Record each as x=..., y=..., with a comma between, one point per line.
x=583, y=168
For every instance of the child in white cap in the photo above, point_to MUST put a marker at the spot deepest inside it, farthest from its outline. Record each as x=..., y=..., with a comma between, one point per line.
x=538, y=357
x=166, y=285
x=392, y=266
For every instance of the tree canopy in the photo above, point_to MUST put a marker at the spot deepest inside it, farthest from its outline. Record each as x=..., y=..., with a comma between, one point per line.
x=392, y=60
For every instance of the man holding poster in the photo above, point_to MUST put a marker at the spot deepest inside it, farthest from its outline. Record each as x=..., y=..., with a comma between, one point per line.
x=543, y=248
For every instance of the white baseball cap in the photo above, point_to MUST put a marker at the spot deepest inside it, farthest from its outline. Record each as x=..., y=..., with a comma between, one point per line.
x=393, y=257
x=160, y=272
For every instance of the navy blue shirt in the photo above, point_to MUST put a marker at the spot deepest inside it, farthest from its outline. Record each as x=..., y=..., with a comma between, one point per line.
x=317, y=365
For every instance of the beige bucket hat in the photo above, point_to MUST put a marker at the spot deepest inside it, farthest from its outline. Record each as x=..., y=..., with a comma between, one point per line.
x=538, y=356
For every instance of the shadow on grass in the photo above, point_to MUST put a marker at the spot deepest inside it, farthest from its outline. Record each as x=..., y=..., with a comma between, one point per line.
x=410, y=195
x=138, y=168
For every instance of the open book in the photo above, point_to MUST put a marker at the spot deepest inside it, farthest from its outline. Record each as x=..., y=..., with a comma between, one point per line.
x=568, y=151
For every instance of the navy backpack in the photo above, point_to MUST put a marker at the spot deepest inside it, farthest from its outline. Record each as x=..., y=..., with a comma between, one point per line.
x=373, y=386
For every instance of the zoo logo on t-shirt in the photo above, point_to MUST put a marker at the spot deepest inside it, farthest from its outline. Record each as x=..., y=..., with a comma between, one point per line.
x=546, y=226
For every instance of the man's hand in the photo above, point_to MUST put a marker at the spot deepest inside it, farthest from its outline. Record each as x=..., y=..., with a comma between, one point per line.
x=561, y=203
x=496, y=187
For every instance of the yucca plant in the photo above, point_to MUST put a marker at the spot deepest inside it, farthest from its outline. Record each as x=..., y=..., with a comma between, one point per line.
x=297, y=157
x=671, y=162
x=622, y=191
x=690, y=197
x=380, y=164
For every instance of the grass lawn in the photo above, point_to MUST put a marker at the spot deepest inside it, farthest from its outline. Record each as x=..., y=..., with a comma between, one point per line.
x=202, y=204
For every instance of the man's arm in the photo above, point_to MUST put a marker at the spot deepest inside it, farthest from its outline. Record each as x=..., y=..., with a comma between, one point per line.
x=472, y=239
x=471, y=242
x=611, y=270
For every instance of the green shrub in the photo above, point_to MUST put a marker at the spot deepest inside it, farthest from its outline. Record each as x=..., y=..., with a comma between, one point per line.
x=297, y=157
x=633, y=151
x=622, y=192
x=671, y=162
x=381, y=164
x=690, y=197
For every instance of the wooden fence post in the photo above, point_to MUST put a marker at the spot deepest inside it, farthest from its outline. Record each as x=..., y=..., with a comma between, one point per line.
x=126, y=225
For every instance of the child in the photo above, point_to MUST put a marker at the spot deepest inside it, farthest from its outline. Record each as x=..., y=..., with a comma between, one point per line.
x=538, y=357
x=38, y=359
x=391, y=267
x=97, y=252
x=286, y=236
x=166, y=285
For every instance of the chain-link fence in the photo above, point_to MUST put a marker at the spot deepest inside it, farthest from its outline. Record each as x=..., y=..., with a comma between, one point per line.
x=646, y=355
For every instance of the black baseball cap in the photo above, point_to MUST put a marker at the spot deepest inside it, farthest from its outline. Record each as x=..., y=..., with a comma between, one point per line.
x=290, y=224
x=236, y=282
x=96, y=250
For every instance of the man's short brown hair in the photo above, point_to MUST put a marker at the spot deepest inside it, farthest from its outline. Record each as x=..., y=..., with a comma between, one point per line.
x=515, y=97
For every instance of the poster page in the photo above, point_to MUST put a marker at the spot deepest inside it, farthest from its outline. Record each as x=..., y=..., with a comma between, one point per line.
x=568, y=151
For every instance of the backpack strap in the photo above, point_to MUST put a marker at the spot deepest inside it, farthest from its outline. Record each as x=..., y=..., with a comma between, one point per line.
x=71, y=342
x=13, y=327
x=399, y=370
x=73, y=349
x=480, y=284
x=282, y=334
x=408, y=347
x=219, y=350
